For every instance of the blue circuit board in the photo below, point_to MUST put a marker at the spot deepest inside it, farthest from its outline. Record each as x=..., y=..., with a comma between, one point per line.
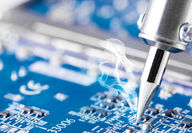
x=38, y=95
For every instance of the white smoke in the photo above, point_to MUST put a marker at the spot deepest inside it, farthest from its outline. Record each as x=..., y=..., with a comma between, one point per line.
x=120, y=79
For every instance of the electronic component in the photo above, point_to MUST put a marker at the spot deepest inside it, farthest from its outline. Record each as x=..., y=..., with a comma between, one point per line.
x=145, y=117
x=146, y=126
x=4, y=114
x=187, y=123
x=153, y=111
x=130, y=130
x=39, y=113
x=89, y=109
x=170, y=112
x=101, y=112
x=28, y=110
x=116, y=99
x=108, y=105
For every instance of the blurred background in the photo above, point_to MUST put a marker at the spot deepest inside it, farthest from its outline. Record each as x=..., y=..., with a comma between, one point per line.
x=86, y=22
x=115, y=16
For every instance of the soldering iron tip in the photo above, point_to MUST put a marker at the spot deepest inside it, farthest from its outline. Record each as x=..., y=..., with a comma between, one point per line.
x=147, y=91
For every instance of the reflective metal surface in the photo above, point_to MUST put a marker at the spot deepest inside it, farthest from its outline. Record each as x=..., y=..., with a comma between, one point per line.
x=155, y=65
x=163, y=21
x=151, y=78
x=186, y=33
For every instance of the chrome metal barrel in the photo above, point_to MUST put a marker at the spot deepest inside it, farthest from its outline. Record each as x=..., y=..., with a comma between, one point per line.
x=162, y=23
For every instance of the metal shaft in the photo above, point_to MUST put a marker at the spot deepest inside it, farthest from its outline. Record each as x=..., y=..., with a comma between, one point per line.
x=151, y=78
